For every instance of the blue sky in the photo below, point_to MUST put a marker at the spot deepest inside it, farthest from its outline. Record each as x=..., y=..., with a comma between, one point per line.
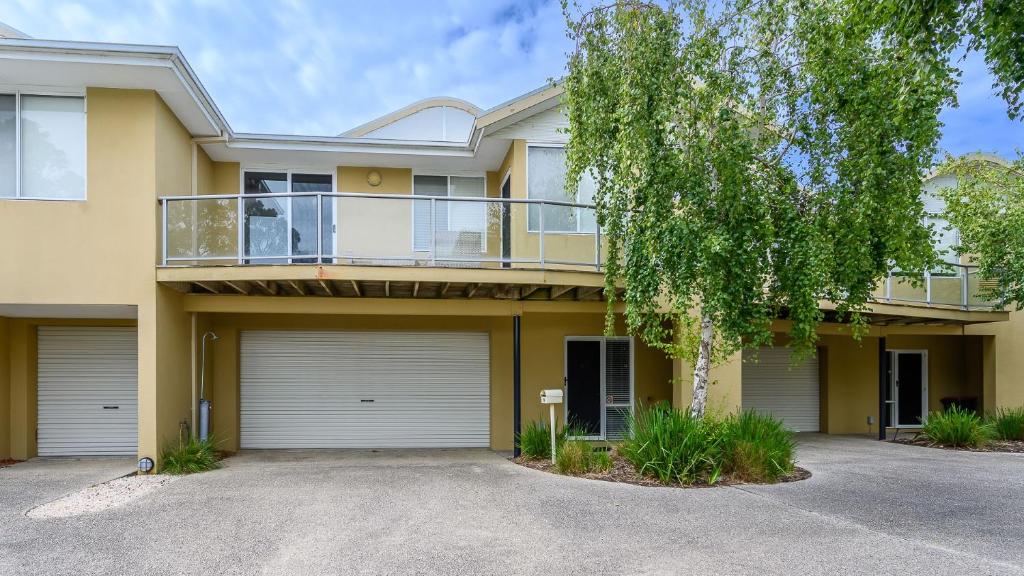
x=321, y=67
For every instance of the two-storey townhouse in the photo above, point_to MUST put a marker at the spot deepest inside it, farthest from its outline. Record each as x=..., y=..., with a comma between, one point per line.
x=413, y=282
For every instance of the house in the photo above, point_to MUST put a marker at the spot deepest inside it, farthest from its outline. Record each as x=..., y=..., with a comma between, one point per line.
x=413, y=282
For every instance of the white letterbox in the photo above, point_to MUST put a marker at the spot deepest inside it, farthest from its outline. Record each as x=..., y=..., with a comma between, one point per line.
x=553, y=396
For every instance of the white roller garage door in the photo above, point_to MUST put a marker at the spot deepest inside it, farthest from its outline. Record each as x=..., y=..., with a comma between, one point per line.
x=87, y=391
x=323, y=389
x=774, y=385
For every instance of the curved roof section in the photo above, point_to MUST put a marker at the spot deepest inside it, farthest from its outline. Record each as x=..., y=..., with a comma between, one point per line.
x=438, y=119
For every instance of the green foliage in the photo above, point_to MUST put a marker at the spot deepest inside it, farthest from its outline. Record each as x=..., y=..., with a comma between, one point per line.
x=575, y=457
x=957, y=427
x=190, y=456
x=1008, y=423
x=673, y=446
x=751, y=159
x=934, y=30
x=601, y=461
x=987, y=207
x=535, y=441
x=758, y=448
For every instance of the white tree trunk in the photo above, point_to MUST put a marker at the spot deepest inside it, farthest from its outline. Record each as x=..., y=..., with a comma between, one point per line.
x=702, y=368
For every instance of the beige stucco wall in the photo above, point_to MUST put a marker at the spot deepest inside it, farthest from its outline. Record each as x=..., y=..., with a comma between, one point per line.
x=5, y=389
x=1003, y=350
x=104, y=251
x=543, y=338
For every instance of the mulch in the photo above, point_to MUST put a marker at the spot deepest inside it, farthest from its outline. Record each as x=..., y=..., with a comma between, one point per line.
x=4, y=462
x=622, y=471
x=1011, y=446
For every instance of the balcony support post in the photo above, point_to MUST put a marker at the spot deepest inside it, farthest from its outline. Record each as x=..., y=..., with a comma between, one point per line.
x=433, y=233
x=541, y=234
x=319, y=229
x=163, y=233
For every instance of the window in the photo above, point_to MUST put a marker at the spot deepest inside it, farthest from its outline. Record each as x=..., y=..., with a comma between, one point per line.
x=459, y=227
x=546, y=181
x=42, y=147
x=283, y=226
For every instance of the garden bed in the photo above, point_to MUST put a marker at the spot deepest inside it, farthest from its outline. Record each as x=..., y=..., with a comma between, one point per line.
x=622, y=471
x=1011, y=446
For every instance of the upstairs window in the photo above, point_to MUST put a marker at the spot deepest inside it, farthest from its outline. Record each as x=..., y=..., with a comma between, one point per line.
x=458, y=226
x=42, y=147
x=546, y=174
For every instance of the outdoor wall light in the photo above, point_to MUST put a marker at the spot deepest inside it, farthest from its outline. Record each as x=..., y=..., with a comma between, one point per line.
x=146, y=465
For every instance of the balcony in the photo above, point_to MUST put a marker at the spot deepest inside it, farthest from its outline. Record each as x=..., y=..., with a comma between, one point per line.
x=493, y=236
x=379, y=230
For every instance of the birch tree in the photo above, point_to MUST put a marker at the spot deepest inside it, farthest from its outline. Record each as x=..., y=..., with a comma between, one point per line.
x=752, y=159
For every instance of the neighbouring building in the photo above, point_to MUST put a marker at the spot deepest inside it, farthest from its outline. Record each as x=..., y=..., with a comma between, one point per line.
x=413, y=282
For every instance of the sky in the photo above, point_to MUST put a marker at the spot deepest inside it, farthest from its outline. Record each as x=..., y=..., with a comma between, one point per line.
x=320, y=67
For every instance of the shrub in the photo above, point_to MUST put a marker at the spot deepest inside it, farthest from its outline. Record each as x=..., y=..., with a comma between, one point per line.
x=1008, y=423
x=189, y=457
x=602, y=461
x=757, y=447
x=672, y=446
x=957, y=427
x=574, y=457
x=535, y=441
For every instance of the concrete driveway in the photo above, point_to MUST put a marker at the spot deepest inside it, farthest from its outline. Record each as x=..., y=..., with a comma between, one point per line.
x=870, y=508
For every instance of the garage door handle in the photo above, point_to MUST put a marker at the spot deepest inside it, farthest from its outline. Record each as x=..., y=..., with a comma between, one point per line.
x=111, y=407
x=367, y=401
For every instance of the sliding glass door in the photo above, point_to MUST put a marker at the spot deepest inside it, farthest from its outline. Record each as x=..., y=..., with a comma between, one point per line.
x=279, y=230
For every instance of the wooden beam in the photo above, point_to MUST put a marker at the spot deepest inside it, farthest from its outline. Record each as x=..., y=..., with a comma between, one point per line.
x=297, y=287
x=415, y=289
x=387, y=288
x=444, y=288
x=557, y=291
x=237, y=286
x=471, y=289
x=267, y=286
x=355, y=286
x=326, y=285
x=528, y=290
x=208, y=286
x=584, y=291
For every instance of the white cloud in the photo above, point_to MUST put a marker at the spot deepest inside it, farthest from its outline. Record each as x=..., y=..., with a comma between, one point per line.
x=324, y=67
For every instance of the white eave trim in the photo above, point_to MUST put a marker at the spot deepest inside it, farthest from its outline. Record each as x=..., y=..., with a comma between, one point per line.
x=122, y=54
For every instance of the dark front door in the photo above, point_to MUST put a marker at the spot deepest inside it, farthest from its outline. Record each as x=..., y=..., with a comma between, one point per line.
x=909, y=388
x=583, y=385
x=506, y=224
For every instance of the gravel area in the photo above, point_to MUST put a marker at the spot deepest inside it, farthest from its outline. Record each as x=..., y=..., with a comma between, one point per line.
x=870, y=508
x=100, y=497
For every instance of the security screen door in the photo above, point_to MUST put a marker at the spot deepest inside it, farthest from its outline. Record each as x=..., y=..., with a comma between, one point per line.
x=907, y=397
x=599, y=385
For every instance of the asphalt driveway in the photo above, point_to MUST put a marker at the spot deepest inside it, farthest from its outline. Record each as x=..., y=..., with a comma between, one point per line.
x=870, y=508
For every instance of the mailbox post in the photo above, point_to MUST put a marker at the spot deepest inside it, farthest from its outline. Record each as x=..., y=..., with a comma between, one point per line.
x=551, y=397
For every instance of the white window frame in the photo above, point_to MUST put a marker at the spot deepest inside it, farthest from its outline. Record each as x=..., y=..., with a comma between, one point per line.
x=288, y=172
x=18, y=93
x=448, y=175
x=604, y=396
x=579, y=211
x=894, y=406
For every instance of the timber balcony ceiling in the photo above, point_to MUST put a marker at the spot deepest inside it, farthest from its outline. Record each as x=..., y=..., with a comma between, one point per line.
x=418, y=246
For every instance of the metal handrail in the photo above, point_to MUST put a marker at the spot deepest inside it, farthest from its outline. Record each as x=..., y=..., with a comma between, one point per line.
x=588, y=262
x=424, y=197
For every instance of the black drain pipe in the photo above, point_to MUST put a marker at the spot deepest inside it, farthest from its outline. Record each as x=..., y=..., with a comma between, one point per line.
x=516, y=384
x=883, y=386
